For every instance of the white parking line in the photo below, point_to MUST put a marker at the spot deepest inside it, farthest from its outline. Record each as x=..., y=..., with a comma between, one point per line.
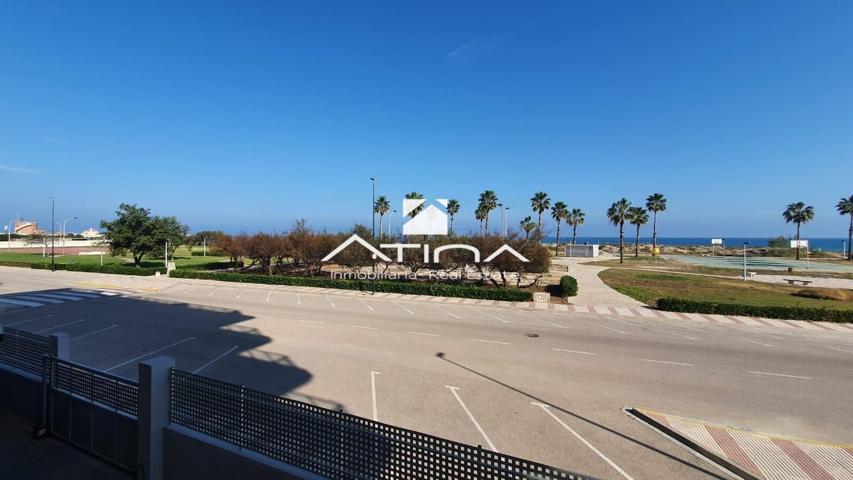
x=214, y=291
x=449, y=313
x=424, y=334
x=330, y=301
x=547, y=409
x=669, y=363
x=683, y=336
x=572, y=351
x=613, y=329
x=152, y=352
x=555, y=324
x=21, y=322
x=491, y=341
x=490, y=315
x=59, y=326
x=365, y=304
x=95, y=332
x=365, y=327
x=781, y=375
x=373, y=375
x=269, y=294
x=298, y=299
x=240, y=294
x=838, y=349
x=473, y=420
x=757, y=343
x=191, y=288
x=312, y=321
x=404, y=308
x=216, y=359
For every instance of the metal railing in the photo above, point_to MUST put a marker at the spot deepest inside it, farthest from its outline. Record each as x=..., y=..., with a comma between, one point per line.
x=23, y=350
x=334, y=444
x=110, y=391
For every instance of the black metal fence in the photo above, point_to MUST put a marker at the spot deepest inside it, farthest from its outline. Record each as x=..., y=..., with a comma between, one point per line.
x=109, y=391
x=334, y=444
x=23, y=350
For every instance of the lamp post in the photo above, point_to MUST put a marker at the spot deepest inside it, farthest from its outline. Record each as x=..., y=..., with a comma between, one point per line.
x=506, y=222
x=9, y=229
x=203, y=247
x=744, y=260
x=390, y=217
x=52, y=234
x=373, y=206
x=63, y=232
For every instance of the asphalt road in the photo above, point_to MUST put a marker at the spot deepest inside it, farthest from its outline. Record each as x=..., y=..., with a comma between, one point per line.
x=548, y=386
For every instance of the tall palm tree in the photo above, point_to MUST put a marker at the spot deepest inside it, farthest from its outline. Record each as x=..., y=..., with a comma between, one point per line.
x=559, y=212
x=576, y=217
x=655, y=203
x=419, y=208
x=798, y=213
x=481, y=214
x=540, y=203
x=617, y=214
x=638, y=217
x=528, y=226
x=845, y=207
x=381, y=206
x=452, y=210
x=488, y=202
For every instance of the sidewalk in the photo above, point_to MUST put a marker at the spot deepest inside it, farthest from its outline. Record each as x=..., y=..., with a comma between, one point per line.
x=591, y=289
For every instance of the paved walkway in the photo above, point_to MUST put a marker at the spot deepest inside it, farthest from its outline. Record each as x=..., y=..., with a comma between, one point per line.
x=591, y=289
x=816, y=281
x=760, y=455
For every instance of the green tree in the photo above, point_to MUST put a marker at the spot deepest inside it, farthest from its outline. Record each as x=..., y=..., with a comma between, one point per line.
x=419, y=208
x=798, y=213
x=488, y=202
x=655, y=203
x=617, y=214
x=381, y=206
x=452, y=210
x=135, y=231
x=576, y=217
x=845, y=207
x=540, y=203
x=481, y=215
x=559, y=212
x=638, y=217
x=528, y=226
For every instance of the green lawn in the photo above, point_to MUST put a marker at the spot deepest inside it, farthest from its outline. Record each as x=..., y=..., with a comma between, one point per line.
x=649, y=286
x=31, y=258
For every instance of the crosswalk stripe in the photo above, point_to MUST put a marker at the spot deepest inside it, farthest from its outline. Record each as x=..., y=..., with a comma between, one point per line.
x=38, y=298
x=61, y=296
x=22, y=303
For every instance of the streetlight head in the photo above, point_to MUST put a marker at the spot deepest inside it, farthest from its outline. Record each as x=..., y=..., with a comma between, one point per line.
x=372, y=179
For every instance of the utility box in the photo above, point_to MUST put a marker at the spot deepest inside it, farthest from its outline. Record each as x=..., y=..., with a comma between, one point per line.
x=541, y=297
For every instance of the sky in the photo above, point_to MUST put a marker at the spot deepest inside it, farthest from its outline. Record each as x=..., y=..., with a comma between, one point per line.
x=249, y=115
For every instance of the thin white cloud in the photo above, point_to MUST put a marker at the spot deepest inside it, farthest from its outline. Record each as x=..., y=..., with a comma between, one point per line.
x=8, y=168
x=474, y=49
x=53, y=140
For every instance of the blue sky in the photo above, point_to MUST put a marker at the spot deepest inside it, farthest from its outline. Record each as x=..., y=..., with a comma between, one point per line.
x=247, y=115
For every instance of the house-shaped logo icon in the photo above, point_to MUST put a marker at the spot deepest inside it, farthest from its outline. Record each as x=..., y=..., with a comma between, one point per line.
x=429, y=221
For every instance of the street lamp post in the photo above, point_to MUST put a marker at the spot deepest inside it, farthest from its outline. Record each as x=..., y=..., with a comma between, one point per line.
x=373, y=206
x=203, y=247
x=506, y=222
x=9, y=229
x=744, y=260
x=52, y=234
x=390, y=217
x=63, y=232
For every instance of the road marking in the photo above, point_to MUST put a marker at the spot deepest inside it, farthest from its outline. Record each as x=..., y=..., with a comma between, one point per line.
x=214, y=291
x=547, y=409
x=95, y=332
x=781, y=375
x=424, y=334
x=269, y=294
x=65, y=296
x=150, y=353
x=365, y=304
x=839, y=349
x=572, y=351
x=473, y=420
x=614, y=329
x=451, y=314
x=757, y=343
x=330, y=301
x=29, y=320
x=404, y=308
x=312, y=321
x=38, y=298
x=235, y=347
x=491, y=341
x=192, y=288
x=669, y=363
x=683, y=336
x=59, y=326
x=240, y=294
x=20, y=303
x=298, y=299
x=489, y=314
x=373, y=375
x=555, y=324
x=364, y=327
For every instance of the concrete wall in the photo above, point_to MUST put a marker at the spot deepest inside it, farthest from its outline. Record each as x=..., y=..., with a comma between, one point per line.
x=27, y=399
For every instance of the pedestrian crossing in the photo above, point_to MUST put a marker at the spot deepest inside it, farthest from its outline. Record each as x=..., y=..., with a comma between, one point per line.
x=50, y=297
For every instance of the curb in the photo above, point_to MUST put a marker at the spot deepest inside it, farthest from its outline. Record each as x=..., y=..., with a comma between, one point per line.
x=684, y=442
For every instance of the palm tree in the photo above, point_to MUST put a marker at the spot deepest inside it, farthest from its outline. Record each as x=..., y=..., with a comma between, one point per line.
x=617, y=214
x=488, y=202
x=638, y=216
x=419, y=208
x=481, y=214
x=381, y=206
x=576, y=217
x=655, y=203
x=845, y=207
x=528, y=226
x=540, y=202
x=798, y=213
x=452, y=210
x=559, y=212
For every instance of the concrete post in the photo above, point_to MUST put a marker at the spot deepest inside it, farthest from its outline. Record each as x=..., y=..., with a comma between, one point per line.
x=60, y=346
x=154, y=393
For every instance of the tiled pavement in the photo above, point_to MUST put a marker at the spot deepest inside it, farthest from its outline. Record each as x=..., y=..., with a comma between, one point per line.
x=758, y=455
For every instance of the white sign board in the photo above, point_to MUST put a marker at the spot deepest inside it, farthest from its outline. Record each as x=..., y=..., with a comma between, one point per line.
x=716, y=241
x=799, y=243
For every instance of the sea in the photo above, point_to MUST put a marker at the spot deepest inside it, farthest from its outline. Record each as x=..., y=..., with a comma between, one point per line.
x=815, y=244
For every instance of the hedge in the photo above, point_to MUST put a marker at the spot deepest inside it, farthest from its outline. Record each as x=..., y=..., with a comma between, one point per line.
x=115, y=269
x=209, y=266
x=769, y=311
x=411, y=288
x=568, y=286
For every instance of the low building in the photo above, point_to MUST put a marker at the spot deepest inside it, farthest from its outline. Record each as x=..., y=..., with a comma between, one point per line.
x=26, y=227
x=91, y=233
